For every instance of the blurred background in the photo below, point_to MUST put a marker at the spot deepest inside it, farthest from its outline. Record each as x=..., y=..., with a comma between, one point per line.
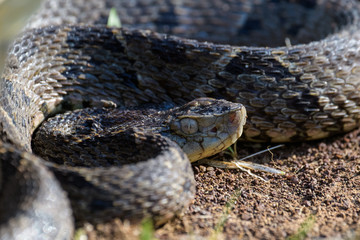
x=13, y=17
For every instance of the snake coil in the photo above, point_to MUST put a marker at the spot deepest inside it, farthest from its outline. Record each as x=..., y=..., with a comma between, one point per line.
x=67, y=58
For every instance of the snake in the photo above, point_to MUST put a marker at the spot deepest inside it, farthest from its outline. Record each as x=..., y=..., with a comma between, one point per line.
x=137, y=166
x=293, y=64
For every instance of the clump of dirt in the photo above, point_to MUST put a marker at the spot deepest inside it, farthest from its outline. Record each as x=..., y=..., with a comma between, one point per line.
x=318, y=198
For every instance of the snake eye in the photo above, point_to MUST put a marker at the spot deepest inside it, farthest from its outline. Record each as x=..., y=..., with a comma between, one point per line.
x=188, y=125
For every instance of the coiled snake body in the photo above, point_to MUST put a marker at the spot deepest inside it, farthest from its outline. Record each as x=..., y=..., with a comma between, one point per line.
x=67, y=59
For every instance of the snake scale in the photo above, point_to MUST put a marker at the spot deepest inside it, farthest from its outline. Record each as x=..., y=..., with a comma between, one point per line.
x=66, y=59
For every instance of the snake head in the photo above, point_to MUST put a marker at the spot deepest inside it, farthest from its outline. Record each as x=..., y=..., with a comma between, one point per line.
x=206, y=126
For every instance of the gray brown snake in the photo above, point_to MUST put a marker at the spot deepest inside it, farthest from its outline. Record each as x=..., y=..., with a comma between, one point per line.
x=293, y=93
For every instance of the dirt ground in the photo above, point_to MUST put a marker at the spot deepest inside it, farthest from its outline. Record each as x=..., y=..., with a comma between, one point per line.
x=318, y=199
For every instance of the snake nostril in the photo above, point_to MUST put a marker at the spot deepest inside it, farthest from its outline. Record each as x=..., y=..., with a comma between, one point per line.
x=232, y=117
x=214, y=129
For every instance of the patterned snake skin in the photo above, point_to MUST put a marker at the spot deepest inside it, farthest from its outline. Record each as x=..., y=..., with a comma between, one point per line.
x=67, y=59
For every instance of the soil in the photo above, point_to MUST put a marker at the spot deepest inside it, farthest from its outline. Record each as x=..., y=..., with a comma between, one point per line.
x=318, y=198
